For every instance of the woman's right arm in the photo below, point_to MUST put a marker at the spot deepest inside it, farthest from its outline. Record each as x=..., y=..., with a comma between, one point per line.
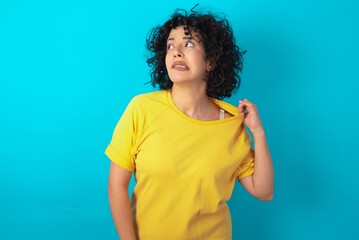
x=119, y=180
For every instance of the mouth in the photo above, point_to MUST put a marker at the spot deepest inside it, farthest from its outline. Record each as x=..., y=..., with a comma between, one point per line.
x=180, y=65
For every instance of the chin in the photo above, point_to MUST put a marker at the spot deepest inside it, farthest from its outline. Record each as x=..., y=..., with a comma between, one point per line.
x=178, y=79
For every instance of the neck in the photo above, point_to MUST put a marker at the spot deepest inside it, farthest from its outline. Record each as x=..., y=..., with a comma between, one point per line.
x=192, y=101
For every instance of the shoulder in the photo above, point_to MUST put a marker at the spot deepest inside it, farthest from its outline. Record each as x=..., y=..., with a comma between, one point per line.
x=149, y=105
x=152, y=98
x=229, y=108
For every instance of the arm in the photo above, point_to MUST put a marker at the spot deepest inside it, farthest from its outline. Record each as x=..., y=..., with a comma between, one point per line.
x=119, y=179
x=261, y=183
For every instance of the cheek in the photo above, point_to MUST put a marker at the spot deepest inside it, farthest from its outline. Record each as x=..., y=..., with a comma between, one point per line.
x=199, y=54
x=167, y=61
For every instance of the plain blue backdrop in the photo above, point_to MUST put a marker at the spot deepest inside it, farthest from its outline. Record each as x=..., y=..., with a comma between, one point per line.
x=69, y=68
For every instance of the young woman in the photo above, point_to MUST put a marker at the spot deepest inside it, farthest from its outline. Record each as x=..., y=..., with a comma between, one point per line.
x=185, y=146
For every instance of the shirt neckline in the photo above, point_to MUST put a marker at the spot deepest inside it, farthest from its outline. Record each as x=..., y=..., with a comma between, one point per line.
x=221, y=104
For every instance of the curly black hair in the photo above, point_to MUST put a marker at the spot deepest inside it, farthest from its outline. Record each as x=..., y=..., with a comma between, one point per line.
x=219, y=45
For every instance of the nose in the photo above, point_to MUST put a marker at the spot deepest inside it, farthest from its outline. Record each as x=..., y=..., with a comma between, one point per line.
x=178, y=52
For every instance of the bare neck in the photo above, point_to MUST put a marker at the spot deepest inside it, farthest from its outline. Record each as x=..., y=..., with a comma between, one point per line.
x=194, y=102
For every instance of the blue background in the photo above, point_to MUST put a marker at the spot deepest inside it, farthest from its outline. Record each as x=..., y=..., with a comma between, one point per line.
x=69, y=68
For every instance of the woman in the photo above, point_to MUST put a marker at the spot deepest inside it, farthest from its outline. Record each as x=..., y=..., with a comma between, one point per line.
x=184, y=145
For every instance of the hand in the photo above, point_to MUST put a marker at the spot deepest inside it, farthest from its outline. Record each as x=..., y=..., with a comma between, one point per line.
x=252, y=119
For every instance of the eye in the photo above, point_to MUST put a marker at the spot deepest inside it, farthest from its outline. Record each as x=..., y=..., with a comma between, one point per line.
x=170, y=46
x=189, y=44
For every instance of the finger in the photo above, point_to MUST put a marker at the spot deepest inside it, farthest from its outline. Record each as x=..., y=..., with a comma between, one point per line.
x=250, y=107
x=246, y=101
x=248, y=104
x=241, y=107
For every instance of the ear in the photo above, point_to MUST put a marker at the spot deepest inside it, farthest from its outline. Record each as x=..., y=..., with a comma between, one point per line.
x=210, y=65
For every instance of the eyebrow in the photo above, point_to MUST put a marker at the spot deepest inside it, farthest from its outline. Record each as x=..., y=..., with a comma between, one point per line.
x=185, y=38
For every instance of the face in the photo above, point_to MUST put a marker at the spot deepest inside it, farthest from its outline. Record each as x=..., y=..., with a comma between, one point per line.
x=185, y=59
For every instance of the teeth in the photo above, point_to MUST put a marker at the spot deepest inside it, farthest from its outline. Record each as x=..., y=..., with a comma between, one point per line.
x=181, y=66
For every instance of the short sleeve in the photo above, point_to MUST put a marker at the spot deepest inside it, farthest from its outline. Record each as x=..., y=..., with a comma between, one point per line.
x=246, y=167
x=121, y=148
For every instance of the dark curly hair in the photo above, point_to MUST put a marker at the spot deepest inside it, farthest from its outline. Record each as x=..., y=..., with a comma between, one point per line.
x=219, y=45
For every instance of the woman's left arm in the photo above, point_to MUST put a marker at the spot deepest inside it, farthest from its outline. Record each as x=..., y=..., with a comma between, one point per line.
x=261, y=183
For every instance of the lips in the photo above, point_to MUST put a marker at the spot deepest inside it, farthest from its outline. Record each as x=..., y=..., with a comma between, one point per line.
x=180, y=66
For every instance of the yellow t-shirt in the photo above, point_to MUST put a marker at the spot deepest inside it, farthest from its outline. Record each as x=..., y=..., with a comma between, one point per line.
x=185, y=169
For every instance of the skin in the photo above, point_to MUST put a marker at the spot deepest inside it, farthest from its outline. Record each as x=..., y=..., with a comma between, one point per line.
x=189, y=95
x=261, y=183
x=189, y=86
x=188, y=50
x=118, y=182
